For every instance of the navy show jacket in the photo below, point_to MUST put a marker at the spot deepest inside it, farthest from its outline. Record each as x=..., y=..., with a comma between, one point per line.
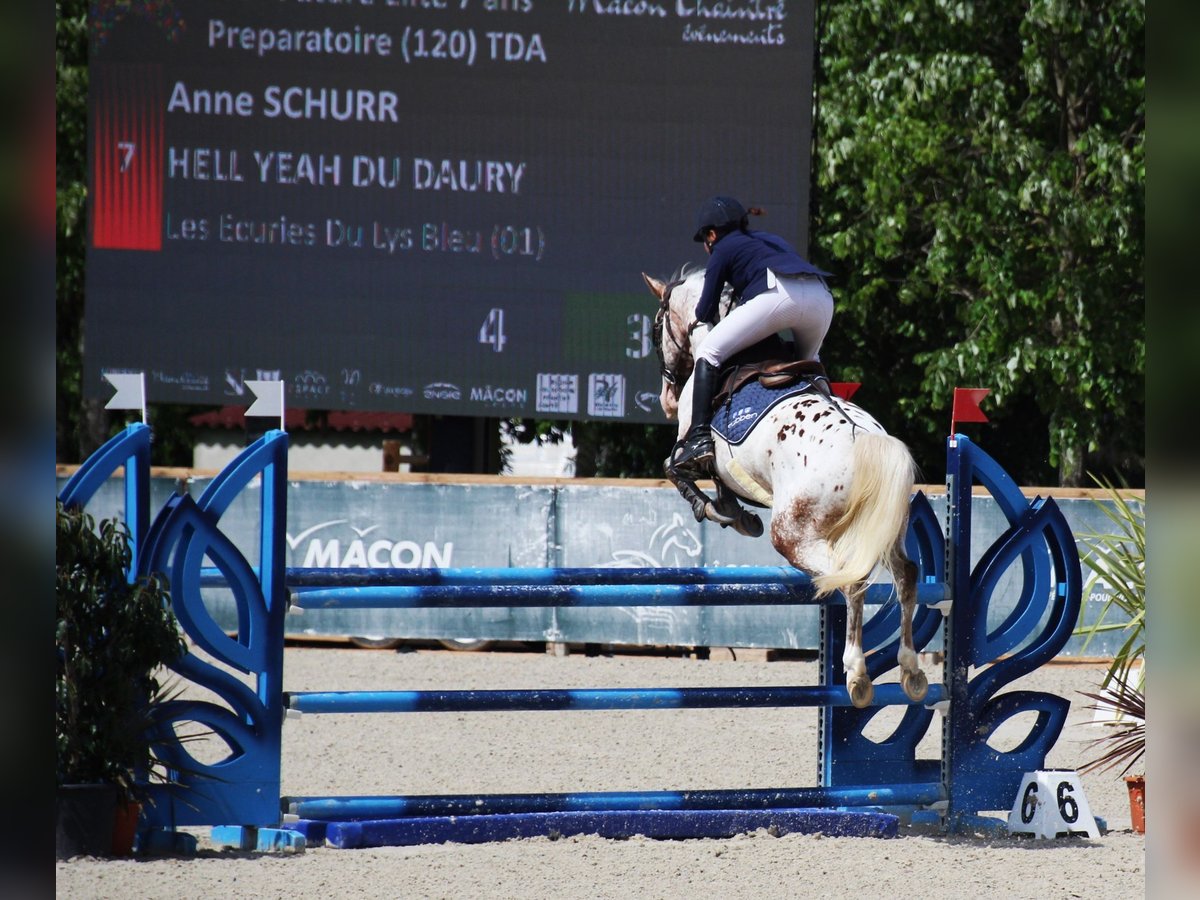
x=741, y=259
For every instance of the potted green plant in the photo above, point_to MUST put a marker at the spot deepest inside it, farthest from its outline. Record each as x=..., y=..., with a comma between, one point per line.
x=112, y=638
x=1118, y=560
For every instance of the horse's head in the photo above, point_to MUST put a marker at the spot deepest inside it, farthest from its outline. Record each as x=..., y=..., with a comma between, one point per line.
x=675, y=330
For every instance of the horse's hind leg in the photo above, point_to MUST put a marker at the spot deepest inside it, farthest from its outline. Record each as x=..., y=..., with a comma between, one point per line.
x=854, y=662
x=912, y=679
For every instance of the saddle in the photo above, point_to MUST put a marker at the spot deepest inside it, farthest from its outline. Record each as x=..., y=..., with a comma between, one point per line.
x=772, y=373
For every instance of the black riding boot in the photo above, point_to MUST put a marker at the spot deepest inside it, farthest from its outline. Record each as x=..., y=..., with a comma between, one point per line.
x=695, y=452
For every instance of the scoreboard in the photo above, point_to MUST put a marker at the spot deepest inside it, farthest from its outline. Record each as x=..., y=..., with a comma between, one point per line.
x=437, y=206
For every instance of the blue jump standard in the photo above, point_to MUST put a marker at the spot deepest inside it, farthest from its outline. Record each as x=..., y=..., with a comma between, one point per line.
x=651, y=823
x=593, y=699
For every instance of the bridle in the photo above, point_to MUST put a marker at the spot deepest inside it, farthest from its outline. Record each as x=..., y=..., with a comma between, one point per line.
x=662, y=325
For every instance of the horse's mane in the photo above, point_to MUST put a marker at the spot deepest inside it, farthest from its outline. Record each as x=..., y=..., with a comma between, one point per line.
x=686, y=271
x=690, y=270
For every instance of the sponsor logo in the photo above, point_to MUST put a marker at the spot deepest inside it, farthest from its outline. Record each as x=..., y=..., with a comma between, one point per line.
x=606, y=394
x=235, y=380
x=379, y=389
x=441, y=390
x=742, y=414
x=337, y=544
x=185, y=381
x=557, y=392
x=646, y=401
x=235, y=385
x=309, y=383
x=500, y=396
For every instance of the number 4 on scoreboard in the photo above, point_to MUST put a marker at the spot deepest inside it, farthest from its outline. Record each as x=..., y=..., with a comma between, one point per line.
x=492, y=330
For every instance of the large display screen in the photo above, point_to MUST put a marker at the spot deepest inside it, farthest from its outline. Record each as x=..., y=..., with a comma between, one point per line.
x=432, y=206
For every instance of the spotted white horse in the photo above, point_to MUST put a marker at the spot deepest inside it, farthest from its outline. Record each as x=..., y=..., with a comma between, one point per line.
x=838, y=486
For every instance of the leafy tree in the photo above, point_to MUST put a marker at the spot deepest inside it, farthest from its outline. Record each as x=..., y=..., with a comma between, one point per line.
x=602, y=449
x=80, y=425
x=979, y=185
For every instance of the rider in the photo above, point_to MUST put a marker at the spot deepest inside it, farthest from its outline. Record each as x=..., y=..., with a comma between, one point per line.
x=774, y=289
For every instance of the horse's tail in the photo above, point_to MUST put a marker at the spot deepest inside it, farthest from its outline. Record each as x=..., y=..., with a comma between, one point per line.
x=876, y=511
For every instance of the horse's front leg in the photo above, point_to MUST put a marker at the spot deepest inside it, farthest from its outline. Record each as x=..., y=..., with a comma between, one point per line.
x=696, y=498
x=912, y=679
x=726, y=505
x=854, y=662
x=701, y=504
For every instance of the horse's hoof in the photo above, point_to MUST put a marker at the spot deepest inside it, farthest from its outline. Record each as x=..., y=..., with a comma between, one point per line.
x=715, y=515
x=862, y=692
x=748, y=524
x=915, y=684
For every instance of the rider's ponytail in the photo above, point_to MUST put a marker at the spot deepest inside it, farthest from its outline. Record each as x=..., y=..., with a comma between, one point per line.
x=744, y=225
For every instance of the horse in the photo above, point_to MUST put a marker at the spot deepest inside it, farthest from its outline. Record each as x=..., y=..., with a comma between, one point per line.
x=837, y=484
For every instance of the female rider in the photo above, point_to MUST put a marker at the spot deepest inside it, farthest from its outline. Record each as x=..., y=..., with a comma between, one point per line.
x=774, y=289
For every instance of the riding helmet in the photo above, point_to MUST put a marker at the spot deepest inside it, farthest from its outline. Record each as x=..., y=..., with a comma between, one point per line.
x=721, y=213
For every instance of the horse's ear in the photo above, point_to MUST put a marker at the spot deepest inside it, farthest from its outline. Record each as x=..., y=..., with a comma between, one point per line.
x=657, y=288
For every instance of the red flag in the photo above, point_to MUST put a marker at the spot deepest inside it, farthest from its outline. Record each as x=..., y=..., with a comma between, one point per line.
x=844, y=390
x=966, y=406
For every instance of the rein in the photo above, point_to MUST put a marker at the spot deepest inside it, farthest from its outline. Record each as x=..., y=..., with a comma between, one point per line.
x=662, y=323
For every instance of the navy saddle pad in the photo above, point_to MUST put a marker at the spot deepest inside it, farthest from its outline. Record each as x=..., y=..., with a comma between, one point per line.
x=737, y=417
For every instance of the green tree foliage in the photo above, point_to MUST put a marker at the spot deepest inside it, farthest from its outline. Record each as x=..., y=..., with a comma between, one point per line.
x=602, y=450
x=979, y=189
x=71, y=85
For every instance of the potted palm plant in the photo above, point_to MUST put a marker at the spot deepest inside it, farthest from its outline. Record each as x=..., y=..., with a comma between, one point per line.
x=113, y=636
x=1118, y=560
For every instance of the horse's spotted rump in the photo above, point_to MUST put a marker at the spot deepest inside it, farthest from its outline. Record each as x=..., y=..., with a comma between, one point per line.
x=786, y=530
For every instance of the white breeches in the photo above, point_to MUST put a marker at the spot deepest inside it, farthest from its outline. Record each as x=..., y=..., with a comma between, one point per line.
x=801, y=304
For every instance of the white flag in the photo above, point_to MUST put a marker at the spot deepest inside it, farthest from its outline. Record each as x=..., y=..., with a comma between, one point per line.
x=131, y=390
x=268, y=399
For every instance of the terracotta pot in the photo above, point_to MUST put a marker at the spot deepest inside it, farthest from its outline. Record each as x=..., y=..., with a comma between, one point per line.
x=1137, y=801
x=125, y=821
